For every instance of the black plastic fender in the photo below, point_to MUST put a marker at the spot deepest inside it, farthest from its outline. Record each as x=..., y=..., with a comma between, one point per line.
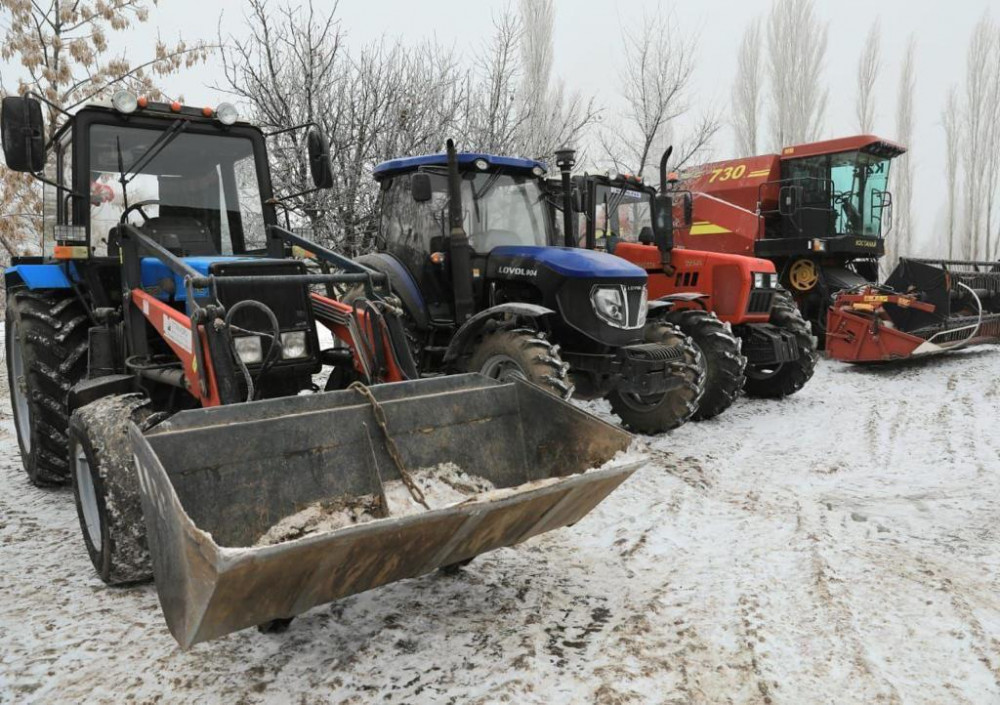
x=402, y=284
x=467, y=333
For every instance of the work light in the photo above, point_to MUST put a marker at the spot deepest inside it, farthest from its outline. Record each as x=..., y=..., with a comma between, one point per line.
x=293, y=345
x=124, y=102
x=227, y=113
x=249, y=348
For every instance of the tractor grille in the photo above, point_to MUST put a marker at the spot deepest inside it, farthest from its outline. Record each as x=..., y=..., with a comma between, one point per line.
x=760, y=301
x=288, y=301
x=655, y=352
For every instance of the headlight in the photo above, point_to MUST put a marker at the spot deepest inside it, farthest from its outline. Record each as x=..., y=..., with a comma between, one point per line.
x=819, y=245
x=226, y=113
x=772, y=280
x=640, y=320
x=759, y=280
x=609, y=305
x=249, y=348
x=481, y=164
x=124, y=102
x=293, y=345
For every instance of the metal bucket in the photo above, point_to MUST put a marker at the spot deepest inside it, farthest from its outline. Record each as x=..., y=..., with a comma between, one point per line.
x=214, y=480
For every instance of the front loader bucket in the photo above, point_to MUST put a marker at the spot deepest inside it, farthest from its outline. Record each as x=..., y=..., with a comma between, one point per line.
x=215, y=480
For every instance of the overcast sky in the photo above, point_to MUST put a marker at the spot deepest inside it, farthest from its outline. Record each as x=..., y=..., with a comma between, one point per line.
x=587, y=40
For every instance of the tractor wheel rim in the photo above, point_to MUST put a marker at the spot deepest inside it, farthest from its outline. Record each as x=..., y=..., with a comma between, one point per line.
x=764, y=372
x=637, y=402
x=88, y=496
x=503, y=368
x=20, y=392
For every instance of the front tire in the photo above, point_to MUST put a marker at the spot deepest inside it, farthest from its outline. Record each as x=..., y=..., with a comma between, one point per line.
x=106, y=487
x=659, y=413
x=724, y=364
x=46, y=342
x=778, y=381
x=505, y=354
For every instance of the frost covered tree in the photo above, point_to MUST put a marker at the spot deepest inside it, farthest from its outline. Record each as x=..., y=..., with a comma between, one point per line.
x=654, y=83
x=796, y=49
x=976, y=135
x=868, y=70
x=63, y=52
x=951, y=121
x=901, y=242
x=748, y=90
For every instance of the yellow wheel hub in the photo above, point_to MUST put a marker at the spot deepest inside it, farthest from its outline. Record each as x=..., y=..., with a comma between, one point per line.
x=803, y=275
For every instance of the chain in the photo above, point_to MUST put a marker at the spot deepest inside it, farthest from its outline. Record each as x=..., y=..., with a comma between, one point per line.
x=390, y=444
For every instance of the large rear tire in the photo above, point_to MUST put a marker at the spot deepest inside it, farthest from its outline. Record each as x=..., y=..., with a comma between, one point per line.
x=778, y=381
x=46, y=342
x=506, y=354
x=724, y=364
x=664, y=412
x=106, y=487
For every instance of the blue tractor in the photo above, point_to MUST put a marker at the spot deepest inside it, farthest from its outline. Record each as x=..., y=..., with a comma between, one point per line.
x=463, y=240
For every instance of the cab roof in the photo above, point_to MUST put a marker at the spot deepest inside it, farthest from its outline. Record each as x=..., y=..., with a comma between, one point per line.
x=407, y=164
x=861, y=143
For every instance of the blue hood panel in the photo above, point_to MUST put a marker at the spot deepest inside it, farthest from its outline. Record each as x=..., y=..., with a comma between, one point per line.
x=155, y=272
x=574, y=263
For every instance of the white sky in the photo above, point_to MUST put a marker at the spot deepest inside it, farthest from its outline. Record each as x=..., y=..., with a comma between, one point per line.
x=587, y=41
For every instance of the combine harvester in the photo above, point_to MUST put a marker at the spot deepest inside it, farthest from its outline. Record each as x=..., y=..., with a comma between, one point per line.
x=925, y=307
x=156, y=353
x=819, y=211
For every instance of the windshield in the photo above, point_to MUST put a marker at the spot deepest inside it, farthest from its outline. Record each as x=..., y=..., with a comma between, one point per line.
x=621, y=213
x=199, y=195
x=502, y=209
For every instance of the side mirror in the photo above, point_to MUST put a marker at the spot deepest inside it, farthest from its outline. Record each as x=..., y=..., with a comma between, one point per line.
x=788, y=200
x=663, y=223
x=22, y=131
x=319, y=159
x=646, y=235
x=420, y=187
x=688, y=209
x=579, y=202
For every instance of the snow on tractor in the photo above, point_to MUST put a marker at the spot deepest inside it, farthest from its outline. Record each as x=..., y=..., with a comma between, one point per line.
x=464, y=240
x=748, y=329
x=819, y=211
x=925, y=307
x=156, y=353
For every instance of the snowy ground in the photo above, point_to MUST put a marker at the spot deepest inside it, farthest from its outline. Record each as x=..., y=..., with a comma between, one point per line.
x=838, y=547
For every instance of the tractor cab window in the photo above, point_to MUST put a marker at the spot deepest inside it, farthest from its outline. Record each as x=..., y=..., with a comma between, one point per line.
x=620, y=213
x=198, y=195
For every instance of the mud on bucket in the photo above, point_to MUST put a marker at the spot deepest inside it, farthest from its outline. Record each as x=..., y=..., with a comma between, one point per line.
x=261, y=511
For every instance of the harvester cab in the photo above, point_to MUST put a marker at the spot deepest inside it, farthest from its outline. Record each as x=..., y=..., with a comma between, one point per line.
x=156, y=352
x=819, y=211
x=747, y=328
x=464, y=241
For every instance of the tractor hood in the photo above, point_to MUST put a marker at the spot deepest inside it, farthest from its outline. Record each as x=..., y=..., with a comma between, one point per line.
x=571, y=262
x=567, y=279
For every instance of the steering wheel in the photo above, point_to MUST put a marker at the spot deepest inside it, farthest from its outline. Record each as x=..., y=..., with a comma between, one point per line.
x=138, y=206
x=850, y=210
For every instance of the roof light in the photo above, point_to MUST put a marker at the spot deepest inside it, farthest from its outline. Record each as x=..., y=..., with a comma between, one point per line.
x=124, y=102
x=226, y=113
x=538, y=171
x=481, y=164
x=207, y=111
x=175, y=106
x=142, y=101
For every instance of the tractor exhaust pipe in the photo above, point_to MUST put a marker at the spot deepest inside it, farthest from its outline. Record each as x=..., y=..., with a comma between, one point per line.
x=459, y=249
x=566, y=160
x=663, y=168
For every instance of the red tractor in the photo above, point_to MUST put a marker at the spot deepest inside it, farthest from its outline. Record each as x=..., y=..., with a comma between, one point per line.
x=819, y=211
x=751, y=335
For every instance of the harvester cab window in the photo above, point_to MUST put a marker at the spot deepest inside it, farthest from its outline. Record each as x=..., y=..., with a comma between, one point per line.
x=198, y=195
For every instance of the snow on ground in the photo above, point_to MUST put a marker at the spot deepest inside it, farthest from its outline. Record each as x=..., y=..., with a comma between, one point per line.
x=836, y=547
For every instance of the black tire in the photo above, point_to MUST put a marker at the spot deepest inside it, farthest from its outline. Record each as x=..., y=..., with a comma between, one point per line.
x=675, y=406
x=106, y=487
x=789, y=377
x=506, y=354
x=46, y=344
x=720, y=350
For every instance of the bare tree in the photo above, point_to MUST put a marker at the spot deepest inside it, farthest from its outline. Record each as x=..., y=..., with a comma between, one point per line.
x=975, y=135
x=992, y=146
x=63, y=53
x=868, y=70
x=654, y=85
x=902, y=243
x=951, y=120
x=292, y=68
x=553, y=117
x=796, y=45
x=747, y=92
